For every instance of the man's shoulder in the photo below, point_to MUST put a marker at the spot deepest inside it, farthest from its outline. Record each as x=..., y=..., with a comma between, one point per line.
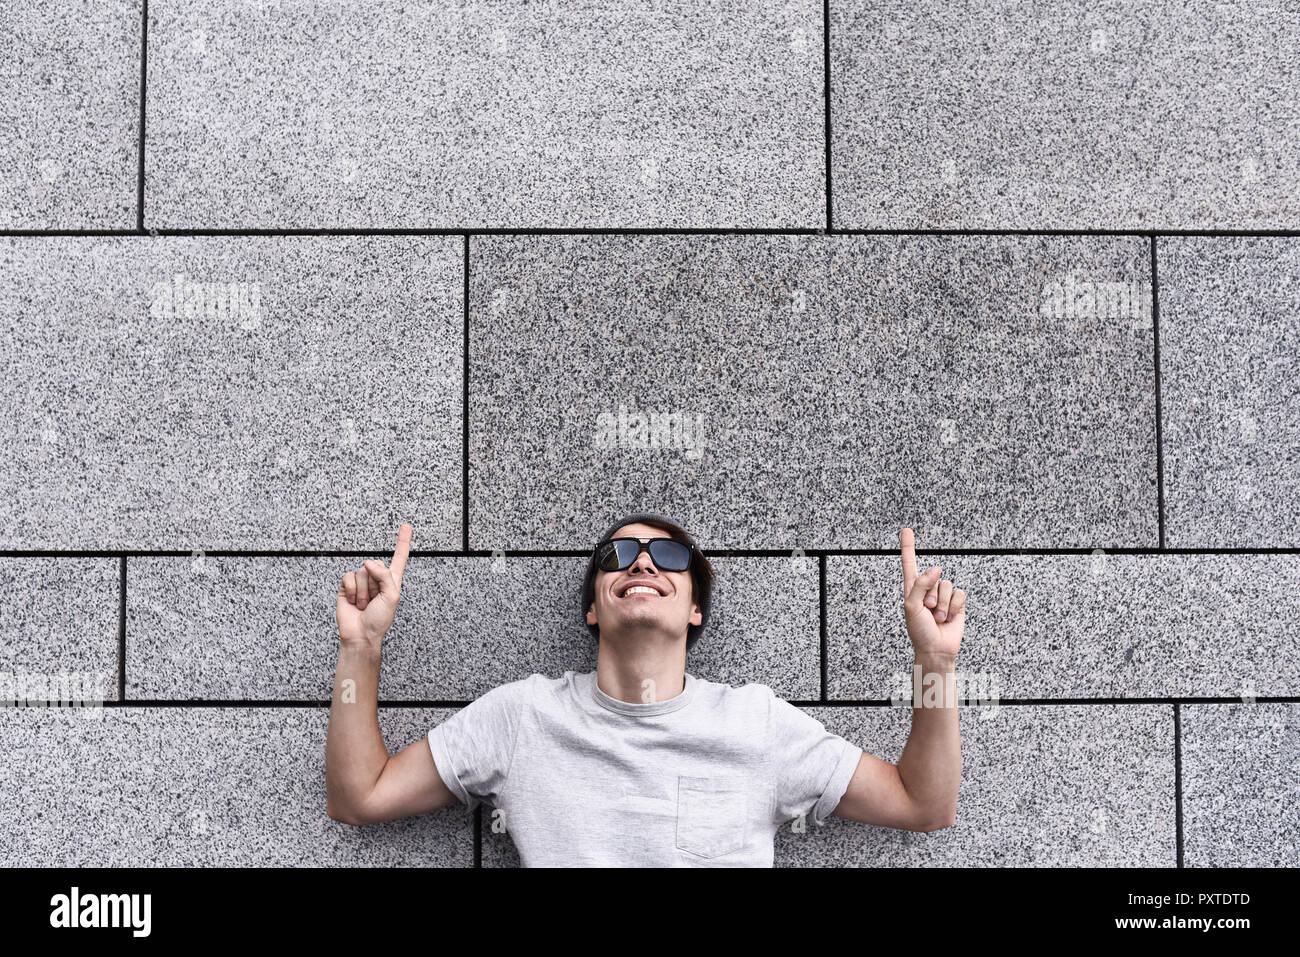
x=752, y=694
x=530, y=687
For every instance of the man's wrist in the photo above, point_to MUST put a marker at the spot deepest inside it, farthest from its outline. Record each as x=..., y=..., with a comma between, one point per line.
x=936, y=660
x=934, y=679
x=359, y=651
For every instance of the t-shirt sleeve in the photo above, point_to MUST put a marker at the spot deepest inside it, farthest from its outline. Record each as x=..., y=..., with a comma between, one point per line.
x=812, y=766
x=473, y=748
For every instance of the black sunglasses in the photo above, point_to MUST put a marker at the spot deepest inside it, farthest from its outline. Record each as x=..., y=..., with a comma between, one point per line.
x=669, y=554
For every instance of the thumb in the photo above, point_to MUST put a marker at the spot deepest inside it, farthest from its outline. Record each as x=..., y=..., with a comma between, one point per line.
x=387, y=584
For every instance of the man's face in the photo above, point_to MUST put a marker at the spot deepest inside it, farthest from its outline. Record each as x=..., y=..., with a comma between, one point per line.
x=658, y=599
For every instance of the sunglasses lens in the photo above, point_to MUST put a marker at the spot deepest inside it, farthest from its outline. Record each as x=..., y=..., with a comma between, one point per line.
x=617, y=555
x=670, y=555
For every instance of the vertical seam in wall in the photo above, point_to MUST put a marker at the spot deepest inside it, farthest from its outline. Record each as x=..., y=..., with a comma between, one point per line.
x=1178, y=782
x=826, y=95
x=821, y=604
x=121, y=630
x=478, y=836
x=464, y=414
x=144, y=73
x=1160, y=458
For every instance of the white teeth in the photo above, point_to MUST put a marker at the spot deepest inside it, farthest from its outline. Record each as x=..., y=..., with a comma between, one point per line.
x=640, y=590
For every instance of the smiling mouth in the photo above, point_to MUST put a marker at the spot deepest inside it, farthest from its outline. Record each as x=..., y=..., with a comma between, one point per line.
x=640, y=590
x=633, y=591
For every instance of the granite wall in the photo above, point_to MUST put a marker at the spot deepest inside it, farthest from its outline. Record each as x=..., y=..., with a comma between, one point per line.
x=278, y=275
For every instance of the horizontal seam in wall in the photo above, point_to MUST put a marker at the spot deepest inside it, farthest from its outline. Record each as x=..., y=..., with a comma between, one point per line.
x=582, y=553
x=640, y=231
x=799, y=703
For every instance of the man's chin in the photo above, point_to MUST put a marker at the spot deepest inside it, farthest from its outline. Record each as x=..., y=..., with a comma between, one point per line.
x=648, y=628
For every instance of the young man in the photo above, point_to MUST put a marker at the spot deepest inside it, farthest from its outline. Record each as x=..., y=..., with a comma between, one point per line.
x=639, y=763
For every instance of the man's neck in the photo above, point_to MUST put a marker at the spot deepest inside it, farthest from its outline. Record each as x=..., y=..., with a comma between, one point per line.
x=641, y=674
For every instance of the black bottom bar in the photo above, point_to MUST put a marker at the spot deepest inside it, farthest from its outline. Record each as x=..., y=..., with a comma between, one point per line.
x=936, y=908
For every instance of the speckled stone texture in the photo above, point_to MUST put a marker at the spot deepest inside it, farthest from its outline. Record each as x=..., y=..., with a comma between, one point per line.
x=1241, y=785
x=200, y=787
x=59, y=628
x=828, y=390
x=1077, y=626
x=298, y=392
x=486, y=114
x=1229, y=322
x=1050, y=785
x=463, y=626
x=70, y=114
x=1154, y=114
x=289, y=400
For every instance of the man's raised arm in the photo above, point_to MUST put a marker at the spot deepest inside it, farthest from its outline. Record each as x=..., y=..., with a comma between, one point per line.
x=920, y=792
x=363, y=783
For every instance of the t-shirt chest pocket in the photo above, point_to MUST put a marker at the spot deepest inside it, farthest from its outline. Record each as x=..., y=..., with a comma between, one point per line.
x=712, y=814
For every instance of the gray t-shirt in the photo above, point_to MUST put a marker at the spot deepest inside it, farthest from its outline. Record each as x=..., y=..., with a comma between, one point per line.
x=582, y=779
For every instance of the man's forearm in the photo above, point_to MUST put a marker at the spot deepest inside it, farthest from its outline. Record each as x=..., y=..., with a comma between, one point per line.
x=930, y=766
x=355, y=754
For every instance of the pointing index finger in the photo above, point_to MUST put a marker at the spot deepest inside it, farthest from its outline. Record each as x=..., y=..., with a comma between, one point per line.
x=401, y=553
x=908, y=542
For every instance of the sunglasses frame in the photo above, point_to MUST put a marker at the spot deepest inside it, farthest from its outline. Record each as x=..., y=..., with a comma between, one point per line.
x=644, y=546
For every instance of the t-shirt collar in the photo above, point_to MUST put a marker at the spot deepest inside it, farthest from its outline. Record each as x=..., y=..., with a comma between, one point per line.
x=637, y=708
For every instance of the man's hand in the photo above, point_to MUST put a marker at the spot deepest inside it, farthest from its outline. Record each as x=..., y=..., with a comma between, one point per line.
x=934, y=610
x=367, y=598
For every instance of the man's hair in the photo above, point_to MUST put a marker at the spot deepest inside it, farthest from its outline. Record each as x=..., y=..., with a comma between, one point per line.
x=701, y=571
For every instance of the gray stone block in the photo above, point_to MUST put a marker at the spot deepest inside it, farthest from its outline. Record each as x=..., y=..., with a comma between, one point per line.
x=70, y=114
x=59, y=639
x=463, y=626
x=485, y=114
x=1241, y=785
x=1154, y=115
x=1042, y=786
x=814, y=391
x=231, y=392
x=1229, y=319
x=200, y=787
x=1076, y=626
